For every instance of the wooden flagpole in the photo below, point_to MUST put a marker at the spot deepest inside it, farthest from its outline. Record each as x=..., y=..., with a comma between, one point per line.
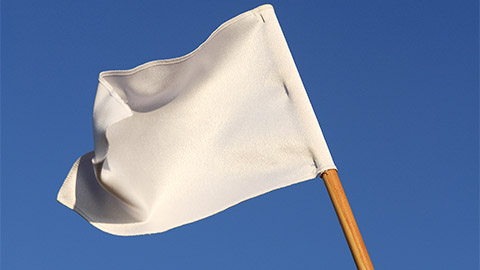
x=345, y=216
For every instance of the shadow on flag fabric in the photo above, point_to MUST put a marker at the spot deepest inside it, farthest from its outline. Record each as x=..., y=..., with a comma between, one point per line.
x=181, y=139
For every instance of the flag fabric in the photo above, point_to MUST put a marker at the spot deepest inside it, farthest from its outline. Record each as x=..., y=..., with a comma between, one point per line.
x=181, y=139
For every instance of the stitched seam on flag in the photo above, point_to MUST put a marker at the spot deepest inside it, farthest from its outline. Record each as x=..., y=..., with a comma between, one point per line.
x=223, y=26
x=171, y=60
x=61, y=197
x=113, y=94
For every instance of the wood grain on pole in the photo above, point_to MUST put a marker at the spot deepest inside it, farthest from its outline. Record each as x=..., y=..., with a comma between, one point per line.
x=347, y=221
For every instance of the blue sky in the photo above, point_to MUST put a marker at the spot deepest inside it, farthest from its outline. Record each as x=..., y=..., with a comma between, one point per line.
x=394, y=85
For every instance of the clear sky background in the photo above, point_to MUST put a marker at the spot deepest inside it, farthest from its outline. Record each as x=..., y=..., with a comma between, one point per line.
x=394, y=85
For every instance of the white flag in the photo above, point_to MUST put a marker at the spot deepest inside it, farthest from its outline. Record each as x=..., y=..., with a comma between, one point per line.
x=181, y=139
